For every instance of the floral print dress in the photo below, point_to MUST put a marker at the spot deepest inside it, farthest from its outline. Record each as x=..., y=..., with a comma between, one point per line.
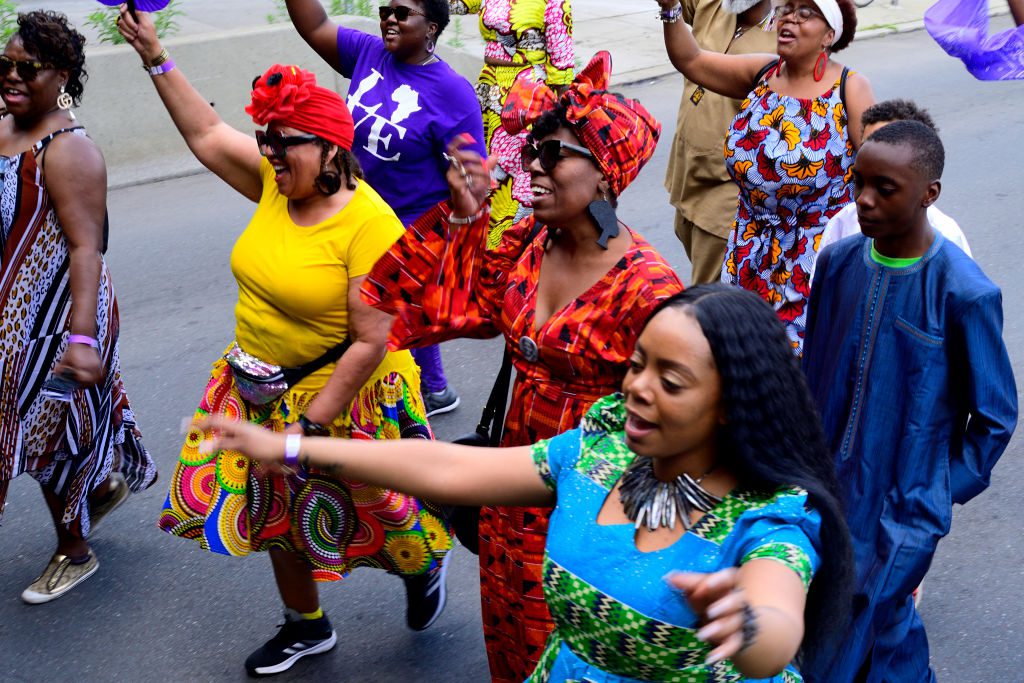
x=793, y=161
x=535, y=38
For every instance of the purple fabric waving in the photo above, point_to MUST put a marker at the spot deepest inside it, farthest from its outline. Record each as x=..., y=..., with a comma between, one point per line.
x=961, y=28
x=141, y=5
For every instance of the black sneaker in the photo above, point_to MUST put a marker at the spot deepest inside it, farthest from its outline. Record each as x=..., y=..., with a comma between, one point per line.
x=441, y=402
x=297, y=638
x=425, y=597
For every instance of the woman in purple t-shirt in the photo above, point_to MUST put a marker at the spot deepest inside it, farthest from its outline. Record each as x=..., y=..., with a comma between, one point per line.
x=408, y=104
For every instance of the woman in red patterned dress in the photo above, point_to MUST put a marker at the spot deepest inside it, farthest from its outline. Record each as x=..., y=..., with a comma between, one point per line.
x=569, y=303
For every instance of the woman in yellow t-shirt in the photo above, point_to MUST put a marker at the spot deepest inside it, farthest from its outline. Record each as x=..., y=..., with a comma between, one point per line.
x=317, y=231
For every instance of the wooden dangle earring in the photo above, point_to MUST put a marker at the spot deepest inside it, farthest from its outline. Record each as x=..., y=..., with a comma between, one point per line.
x=65, y=101
x=820, y=66
x=603, y=213
x=328, y=182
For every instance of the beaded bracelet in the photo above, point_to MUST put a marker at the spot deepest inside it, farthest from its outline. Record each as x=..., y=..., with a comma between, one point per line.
x=671, y=16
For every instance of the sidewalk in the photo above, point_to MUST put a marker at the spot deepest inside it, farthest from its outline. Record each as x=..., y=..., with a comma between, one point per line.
x=632, y=35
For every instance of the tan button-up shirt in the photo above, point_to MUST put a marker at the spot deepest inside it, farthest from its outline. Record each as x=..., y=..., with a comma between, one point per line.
x=697, y=182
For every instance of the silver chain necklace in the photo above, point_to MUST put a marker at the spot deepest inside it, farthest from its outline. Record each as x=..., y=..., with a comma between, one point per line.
x=649, y=501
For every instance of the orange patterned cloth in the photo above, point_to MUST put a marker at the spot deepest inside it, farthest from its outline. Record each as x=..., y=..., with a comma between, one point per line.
x=620, y=132
x=443, y=283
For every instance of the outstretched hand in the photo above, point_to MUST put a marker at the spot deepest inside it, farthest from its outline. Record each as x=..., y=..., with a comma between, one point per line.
x=140, y=33
x=255, y=442
x=718, y=602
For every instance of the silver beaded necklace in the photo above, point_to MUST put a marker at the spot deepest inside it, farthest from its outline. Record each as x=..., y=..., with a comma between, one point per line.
x=649, y=501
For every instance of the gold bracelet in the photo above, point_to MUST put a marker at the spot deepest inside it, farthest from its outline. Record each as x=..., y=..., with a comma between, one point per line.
x=157, y=61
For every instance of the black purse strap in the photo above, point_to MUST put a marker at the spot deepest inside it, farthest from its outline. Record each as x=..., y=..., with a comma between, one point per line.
x=295, y=375
x=492, y=421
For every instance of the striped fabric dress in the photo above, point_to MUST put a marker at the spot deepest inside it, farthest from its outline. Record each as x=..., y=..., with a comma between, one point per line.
x=69, y=448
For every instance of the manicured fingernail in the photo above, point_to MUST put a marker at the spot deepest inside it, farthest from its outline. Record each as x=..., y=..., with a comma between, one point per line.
x=715, y=611
x=705, y=633
x=714, y=658
x=186, y=425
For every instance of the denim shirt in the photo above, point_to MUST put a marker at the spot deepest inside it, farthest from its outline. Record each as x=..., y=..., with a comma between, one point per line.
x=918, y=400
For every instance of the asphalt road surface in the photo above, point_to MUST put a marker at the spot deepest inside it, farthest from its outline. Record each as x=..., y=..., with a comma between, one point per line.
x=160, y=609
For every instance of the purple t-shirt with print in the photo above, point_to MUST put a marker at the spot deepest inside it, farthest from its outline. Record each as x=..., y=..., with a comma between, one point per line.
x=405, y=116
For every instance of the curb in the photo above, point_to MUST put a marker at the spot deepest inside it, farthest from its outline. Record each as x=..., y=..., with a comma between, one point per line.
x=653, y=73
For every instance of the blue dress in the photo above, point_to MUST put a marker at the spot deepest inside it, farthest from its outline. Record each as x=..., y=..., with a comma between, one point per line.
x=616, y=620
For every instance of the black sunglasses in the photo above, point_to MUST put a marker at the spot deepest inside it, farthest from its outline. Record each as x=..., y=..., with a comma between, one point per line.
x=549, y=153
x=401, y=12
x=28, y=69
x=278, y=144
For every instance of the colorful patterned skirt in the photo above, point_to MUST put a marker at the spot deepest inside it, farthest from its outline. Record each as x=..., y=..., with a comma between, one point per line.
x=511, y=200
x=232, y=506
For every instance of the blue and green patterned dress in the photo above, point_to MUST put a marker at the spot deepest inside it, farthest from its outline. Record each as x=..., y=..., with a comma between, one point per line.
x=616, y=620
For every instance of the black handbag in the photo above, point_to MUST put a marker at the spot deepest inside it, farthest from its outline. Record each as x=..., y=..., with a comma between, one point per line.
x=465, y=519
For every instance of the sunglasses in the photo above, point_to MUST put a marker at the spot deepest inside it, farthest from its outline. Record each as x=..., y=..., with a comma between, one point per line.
x=28, y=69
x=800, y=14
x=278, y=144
x=401, y=12
x=549, y=153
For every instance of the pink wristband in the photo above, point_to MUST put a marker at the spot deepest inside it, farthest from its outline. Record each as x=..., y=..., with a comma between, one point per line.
x=82, y=339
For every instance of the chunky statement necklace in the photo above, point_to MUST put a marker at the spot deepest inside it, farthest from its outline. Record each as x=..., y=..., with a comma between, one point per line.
x=648, y=500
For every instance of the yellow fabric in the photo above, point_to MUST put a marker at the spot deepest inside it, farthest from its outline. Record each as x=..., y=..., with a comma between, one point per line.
x=293, y=280
x=698, y=184
x=312, y=615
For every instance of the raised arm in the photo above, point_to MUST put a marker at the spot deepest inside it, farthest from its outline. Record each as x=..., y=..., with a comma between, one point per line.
x=320, y=33
x=1017, y=10
x=729, y=75
x=443, y=472
x=229, y=153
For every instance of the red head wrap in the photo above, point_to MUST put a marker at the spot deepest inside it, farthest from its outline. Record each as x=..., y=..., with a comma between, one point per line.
x=290, y=95
x=620, y=132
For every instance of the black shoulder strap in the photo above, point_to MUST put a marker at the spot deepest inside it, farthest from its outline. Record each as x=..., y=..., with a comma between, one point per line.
x=41, y=145
x=765, y=70
x=38, y=148
x=295, y=375
x=842, y=85
x=492, y=421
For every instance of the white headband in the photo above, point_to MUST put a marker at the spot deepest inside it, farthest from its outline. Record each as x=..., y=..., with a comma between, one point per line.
x=834, y=17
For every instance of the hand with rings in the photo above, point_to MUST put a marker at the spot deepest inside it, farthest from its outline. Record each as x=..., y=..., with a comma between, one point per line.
x=468, y=177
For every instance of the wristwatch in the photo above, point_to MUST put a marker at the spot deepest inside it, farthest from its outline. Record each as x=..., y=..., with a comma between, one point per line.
x=310, y=428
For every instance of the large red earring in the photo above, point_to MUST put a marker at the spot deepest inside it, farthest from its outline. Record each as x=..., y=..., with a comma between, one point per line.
x=820, y=66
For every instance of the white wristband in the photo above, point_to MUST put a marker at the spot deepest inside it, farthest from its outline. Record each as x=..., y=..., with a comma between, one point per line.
x=292, y=445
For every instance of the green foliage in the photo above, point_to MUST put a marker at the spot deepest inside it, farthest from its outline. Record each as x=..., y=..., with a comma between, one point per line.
x=104, y=20
x=455, y=36
x=8, y=21
x=357, y=8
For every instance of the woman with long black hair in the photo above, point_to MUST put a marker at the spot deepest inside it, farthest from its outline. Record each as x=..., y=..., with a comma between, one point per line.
x=691, y=467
